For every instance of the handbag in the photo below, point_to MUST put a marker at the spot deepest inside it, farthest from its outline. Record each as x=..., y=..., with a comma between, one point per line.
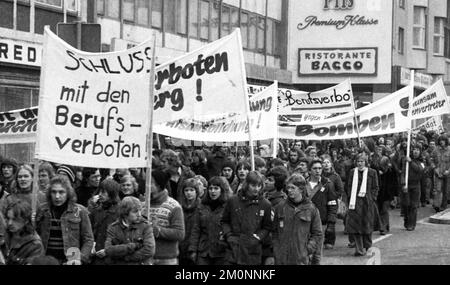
x=342, y=209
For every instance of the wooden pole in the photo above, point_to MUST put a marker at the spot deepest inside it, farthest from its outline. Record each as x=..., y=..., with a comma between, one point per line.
x=408, y=148
x=148, y=175
x=35, y=191
x=275, y=138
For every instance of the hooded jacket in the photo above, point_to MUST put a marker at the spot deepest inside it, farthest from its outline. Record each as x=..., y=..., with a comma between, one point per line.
x=297, y=232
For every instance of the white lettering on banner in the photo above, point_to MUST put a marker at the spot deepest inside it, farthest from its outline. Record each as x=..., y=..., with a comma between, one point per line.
x=386, y=116
x=338, y=61
x=93, y=107
x=232, y=127
x=432, y=102
x=19, y=52
x=18, y=126
x=208, y=81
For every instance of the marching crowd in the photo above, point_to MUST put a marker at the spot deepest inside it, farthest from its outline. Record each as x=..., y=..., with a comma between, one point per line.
x=208, y=207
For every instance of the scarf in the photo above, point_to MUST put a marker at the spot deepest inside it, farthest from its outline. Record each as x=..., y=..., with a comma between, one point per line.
x=362, y=191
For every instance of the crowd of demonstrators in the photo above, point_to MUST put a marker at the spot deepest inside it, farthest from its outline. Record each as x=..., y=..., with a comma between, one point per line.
x=209, y=208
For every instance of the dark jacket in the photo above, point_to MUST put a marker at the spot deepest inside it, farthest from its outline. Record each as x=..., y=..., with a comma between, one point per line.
x=242, y=218
x=324, y=198
x=101, y=218
x=337, y=181
x=201, y=169
x=84, y=193
x=190, y=215
x=297, y=232
x=215, y=164
x=130, y=245
x=206, y=233
x=22, y=250
x=416, y=170
x=76, y=229
x=361, y=219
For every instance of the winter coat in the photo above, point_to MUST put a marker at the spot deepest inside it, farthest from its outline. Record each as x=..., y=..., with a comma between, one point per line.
x=22, y=250
x=84, y=193
x=416, y=169
x=190, y=215
x=241, y=219
x=201, y=169
x=388, y=185
x=207, y=232
x=324, y=198
x=441, y=159
x=337, y=181
x=215, y=164
x=23, y=196
x=76, y=229
x=130, y=245
x=361, y=219
x=297, y=232
x=101, y=218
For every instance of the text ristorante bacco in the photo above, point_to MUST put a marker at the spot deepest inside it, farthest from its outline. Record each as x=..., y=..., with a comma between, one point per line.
x=349, y=20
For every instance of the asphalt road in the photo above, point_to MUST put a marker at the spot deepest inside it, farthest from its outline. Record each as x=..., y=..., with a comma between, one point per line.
x=428, y=244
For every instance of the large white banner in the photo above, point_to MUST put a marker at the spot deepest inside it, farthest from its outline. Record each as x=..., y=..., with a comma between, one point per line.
x=432, y=124
x=230, y=128
x=385, y=116
x=18, y=126
x=208, y=81
x=94, y=107
x=432, y=102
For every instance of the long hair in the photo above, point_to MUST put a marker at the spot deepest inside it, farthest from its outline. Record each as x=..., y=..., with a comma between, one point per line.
x=65, y=183
x=112, y=188
x=253, y=178
x=133, y=182
x=15, y=184
x=299, y=181
x=225, y=189
x=21, y=209
x=188, y=183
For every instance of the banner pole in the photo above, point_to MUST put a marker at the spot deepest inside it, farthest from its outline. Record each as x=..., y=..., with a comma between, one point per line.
x=35, y=191
x=275, y=138
x=408, y=148
x=148, y=174
x=354, y=116
x=247, y=105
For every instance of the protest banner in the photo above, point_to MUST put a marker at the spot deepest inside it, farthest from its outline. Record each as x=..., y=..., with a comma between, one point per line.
x=432, y=102
x=432, y=124
x=205, y=82
x=385, y=116
x=94, y=107
x=18, y=126
x=232, y=127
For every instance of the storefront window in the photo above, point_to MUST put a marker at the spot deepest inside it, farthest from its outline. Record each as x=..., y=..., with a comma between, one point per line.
x=157, y=13
x=142, y=12
x=128, y=10
x=193, y=18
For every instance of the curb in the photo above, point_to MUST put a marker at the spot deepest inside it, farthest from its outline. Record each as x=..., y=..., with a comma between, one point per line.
x=441, y=218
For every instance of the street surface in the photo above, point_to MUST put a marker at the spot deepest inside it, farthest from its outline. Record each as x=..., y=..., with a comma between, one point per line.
x=428, y=244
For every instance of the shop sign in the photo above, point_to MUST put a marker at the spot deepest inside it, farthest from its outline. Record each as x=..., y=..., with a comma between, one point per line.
x=341, y=61
x=20, y=52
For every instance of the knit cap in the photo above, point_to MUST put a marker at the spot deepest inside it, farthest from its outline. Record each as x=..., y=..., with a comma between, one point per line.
x=67, y=170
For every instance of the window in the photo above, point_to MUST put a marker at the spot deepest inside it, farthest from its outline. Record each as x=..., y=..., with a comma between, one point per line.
x=419, y=27
x=225, y=21
x=252, y=31
x=438, y=37
x=447, y=43
x=113, y=8
x=101, y=7
x=244, y=29
x=278, y=39
x=157, y=14
x=142, y=12
x=270, y=36
x=193, y=18
x=401, y=4
x=169, y=15
x=204, y=20
x=128, y=10
x=214, y=22
x=261, y=31
x=181, y=17
x=71, y=5
x=401, y=40
x=234, y=19
x=54, y=3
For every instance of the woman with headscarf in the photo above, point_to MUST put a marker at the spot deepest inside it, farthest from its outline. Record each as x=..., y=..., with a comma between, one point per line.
x=362, y=192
